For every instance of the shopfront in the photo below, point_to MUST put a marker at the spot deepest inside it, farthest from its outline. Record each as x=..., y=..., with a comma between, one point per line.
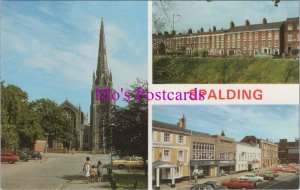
x=204, y=167
x=226, y=166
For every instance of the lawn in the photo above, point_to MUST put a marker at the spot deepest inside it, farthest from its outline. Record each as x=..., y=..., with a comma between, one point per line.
x=226, y=70
x=125, y=180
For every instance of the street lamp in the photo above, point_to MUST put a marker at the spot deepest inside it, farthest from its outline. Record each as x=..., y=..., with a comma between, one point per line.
x=111, y=159
x=46, y=144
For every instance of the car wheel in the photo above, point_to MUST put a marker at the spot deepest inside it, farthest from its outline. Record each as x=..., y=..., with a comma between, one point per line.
x=243, y=188
x=11, y=162
x=121, y=166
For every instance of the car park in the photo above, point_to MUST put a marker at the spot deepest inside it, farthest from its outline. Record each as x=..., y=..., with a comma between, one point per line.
x=33, y=154
x=237, y=184
x=23, y=156
x=10, y=158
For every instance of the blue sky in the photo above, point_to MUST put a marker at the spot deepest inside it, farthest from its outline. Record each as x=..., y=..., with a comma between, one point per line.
x=49, y=49
x=197, y=14
x=263, y=121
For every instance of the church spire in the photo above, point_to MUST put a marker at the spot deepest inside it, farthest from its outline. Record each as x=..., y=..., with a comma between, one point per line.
x=102, y=68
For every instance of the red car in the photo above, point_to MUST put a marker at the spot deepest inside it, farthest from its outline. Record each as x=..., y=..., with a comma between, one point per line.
x=237, y=184
x=10, y=158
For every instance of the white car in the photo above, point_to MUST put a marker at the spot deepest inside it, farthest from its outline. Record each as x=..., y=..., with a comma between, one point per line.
x=251, y=177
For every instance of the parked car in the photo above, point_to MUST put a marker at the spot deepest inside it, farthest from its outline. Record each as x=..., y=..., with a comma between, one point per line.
x=251, y=177
x=133, y=162
x=23, y=155
x=202, y=187
x=237, y=184
x=33, y=154
x=10, y=158
x=215, y=185
x=289, y=170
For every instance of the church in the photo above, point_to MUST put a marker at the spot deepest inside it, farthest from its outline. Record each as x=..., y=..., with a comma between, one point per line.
x=100, y=110
x=91, y=136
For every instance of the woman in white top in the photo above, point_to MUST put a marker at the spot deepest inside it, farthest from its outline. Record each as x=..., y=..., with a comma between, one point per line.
x=87, y=169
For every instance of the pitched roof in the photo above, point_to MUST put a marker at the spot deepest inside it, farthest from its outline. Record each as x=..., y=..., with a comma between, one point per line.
x=168, y=126
x=273, y=25
x=293, y=18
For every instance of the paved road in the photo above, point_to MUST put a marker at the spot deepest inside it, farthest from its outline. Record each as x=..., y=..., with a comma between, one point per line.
x=55, y=173
x=288, y=181
x=284, y=181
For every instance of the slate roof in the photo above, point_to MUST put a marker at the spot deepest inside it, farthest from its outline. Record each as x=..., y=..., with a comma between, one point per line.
x=273, y=25
x=168, y=126
x=292, y=18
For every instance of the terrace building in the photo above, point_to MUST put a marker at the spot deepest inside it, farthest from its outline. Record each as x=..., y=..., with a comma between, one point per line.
x=269, y=150
x=248, y=157
x=288, y=152
x=171, y=151
x=248, y=40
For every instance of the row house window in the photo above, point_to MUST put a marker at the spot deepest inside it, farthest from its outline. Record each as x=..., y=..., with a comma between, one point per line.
x=228, y=44
x=233, y=37
x=202, y=151
x=256, y=44
x=245, y=44
x=207, y=39
x=180, y=139
x=245, y=36
x=228, y=37
x=238, y=45
x=276, y=34
x=256, y=34
x=222, y=45
x=262, y=35
x=250, y=45
x=290, y=27
x=238, y=36
x=166, y=155
x=180, y=155
x=276, y=43
x=269, y=43
x=166, y=137
x=226, y=156
x=222, y=37
x=270, y=34
x=290, y=37
x=233, y=45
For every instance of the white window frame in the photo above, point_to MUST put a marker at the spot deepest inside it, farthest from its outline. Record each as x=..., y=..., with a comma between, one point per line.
x=290, y=27
x=163, y=155
x=182, y=158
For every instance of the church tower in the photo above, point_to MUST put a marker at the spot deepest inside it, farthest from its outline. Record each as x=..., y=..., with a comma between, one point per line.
x=100, y=109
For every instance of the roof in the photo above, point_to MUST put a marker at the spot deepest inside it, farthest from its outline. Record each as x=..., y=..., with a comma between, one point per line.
x=168, y=126
x=273, y=25
x=292, y=18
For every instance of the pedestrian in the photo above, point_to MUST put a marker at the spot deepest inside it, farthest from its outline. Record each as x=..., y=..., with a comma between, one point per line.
x=99, y=171
x=93, y=174
x=87, y=169
x=40, y=156
x=195, y=174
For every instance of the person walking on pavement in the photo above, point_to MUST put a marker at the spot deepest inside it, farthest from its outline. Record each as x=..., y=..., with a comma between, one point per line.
x=99, y=171
x=87, y=169
x=195, y=174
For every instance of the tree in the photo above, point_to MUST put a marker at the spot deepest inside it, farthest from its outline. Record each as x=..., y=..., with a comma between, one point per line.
x=295, y=52
x=17, y=115
x=53, y=120
x=9, y=137
x=128, y=129
x=231, y=52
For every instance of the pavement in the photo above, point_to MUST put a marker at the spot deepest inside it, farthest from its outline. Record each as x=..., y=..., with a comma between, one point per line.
x=60, y=171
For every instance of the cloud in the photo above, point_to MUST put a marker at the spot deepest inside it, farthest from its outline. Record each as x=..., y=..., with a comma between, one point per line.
x=273, y=122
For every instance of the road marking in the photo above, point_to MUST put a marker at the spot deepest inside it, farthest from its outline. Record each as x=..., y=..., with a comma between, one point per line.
x=280, y=181
x=60, y=187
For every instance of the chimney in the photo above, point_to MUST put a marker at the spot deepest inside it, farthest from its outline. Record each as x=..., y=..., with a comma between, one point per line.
x=231, y=25
x=214, y=28
x=264, y=21
x=182, y=123
x=201, y=30
x=209, y=30
x=173, y=32
x=247, y=23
